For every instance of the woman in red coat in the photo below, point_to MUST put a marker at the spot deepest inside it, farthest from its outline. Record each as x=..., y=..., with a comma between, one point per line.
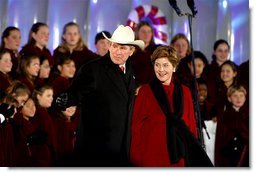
x=156, y=125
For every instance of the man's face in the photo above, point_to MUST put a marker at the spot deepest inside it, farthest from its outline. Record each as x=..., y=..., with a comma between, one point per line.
x=102, y=46
x=119, y=53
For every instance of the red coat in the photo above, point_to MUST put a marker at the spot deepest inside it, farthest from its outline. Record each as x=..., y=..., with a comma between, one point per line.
x=149, y=140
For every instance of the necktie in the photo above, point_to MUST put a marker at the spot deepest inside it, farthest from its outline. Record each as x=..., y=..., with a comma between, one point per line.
x=122, y=68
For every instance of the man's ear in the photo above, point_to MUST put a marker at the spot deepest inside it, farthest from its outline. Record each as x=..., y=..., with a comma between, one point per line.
x=174, y=69
x=229, y=99
x=132, y=50
x=59, y=67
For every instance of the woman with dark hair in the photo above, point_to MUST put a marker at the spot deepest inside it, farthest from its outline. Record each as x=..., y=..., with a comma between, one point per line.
x=221, y=53
x=201, y=65
x=28, y=70
x=141, y=60
x=73, y=45
x=43, y=76
x=37, y=42
x=65, y=72
x=10, y=41
x=163, y=122
x=228, y=77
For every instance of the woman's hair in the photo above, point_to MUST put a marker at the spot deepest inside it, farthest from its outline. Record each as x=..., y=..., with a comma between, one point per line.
x=34, y=29
x=165, y=51
x=63, y=59
x=217, y=43
x=17, y=89
x=2, y=52
x=80, y=44
x=232, y=89
x=39, y=91
x=202, y=57
x=233, y=66
x=181, y=36
x=24, y=62
x=6, y=33
x=141, y=24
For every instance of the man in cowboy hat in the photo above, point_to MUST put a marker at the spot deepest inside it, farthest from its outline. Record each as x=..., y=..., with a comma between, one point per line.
x=105, y=90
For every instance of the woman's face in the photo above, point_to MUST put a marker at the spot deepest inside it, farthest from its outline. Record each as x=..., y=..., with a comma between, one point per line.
x=227, y=74
x=12, y=42
x=34, y=67
x=72, y=36
x=28, y=109
x=46, y=98
x=222, y=53
x=67, y=70
x=5, y=63
x=41, y=36
x=163, y=70
x=44, y=69
x=199, y=67
x=181, y=46
x=145, y=33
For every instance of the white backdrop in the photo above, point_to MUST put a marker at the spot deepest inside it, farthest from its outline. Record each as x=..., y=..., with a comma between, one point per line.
x=226, y=19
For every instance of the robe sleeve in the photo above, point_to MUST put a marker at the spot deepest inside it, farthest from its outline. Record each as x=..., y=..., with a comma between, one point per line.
x=188, y=114
x=138, y=116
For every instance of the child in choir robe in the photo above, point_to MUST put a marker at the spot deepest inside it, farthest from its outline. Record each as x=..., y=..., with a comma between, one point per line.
x=232, y=135
x=37, y=42
x=42, y=121
x=5, y=69
x=10, y=42
x=16, y=95
x=28, y=70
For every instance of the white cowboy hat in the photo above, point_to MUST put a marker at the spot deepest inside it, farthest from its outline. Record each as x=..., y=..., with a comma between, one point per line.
x=125, y=35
